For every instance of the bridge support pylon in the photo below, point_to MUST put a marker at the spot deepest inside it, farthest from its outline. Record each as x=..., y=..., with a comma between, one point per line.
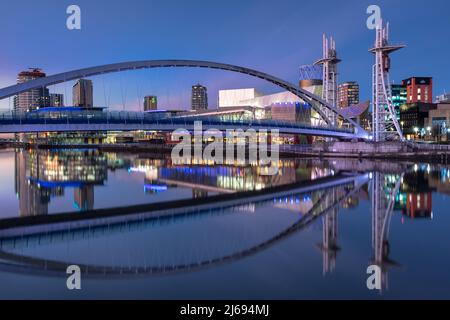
x=329, y=246
x=383, y=200
x=329, y=64
x=385, y=125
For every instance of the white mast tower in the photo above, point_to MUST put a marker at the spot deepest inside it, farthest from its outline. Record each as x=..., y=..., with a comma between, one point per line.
x=385, y=125
x=329, y=64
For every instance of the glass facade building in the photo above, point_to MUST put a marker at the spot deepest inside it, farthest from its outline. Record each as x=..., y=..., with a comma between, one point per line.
x=199, y=97
x=399, y=97
x=348, y=94
x=83, y=94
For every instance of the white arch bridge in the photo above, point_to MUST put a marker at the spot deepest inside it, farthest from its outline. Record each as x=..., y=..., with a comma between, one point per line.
x=15, y=123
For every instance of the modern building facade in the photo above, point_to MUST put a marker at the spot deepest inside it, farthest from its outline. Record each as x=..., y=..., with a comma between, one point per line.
x=283, y=106
x=150, y=103
x=348, y=94
x=292, y=111
x=252, y=98
x=399, y=97
x=419, y=89
x=83, y=94
x=438, y=121
x=412, y=120
x=56, y=100
x=360, y=113
x=311, y=79
x=199, y=100
x=33, y=99
x=236, y=97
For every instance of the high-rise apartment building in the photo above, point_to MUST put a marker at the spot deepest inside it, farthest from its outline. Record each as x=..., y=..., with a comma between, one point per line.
x=199, y=97
x=33, y=99
x=348, y=94
x=83, y=94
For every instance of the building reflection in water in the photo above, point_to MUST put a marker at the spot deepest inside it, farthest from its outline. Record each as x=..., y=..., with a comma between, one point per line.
x=409, y=193
x=415, y=196
x=43, y=174
x=204, y=178
x=84, y=198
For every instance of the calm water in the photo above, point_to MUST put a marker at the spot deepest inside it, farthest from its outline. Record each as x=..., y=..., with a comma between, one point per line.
x=314, y=239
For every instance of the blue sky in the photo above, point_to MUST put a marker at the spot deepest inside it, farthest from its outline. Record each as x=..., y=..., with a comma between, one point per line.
x=272, y=36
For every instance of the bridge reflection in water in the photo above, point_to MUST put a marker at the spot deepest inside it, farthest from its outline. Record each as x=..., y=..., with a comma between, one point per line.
x=17, y=233
x=307, y=192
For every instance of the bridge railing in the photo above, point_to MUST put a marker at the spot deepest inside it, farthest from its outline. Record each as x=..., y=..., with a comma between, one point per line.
x=130, y=117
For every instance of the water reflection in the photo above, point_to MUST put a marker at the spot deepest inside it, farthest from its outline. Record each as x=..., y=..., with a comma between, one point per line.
x=242, y=216
x=42, y=175
x=314, y=199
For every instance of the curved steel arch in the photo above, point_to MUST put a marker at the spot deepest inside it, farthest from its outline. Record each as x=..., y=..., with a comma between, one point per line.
x=314, y=100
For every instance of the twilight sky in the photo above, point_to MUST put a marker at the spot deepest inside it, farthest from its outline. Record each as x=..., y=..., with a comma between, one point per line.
x=271, y=36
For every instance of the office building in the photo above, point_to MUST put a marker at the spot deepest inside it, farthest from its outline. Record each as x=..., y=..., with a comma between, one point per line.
x=33, y=99
x=419, y=89
x=438, y=121
x=83, y=95
x=150, y=103
x=399, y=97
x=56, y=100
x=412, y=119
x=199, y=97
x=348, y=94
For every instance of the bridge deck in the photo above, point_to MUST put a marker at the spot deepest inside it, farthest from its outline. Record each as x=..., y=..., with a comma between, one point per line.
x=130, y=121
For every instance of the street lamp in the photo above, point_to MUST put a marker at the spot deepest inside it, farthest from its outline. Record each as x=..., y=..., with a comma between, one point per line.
x=416, y=130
